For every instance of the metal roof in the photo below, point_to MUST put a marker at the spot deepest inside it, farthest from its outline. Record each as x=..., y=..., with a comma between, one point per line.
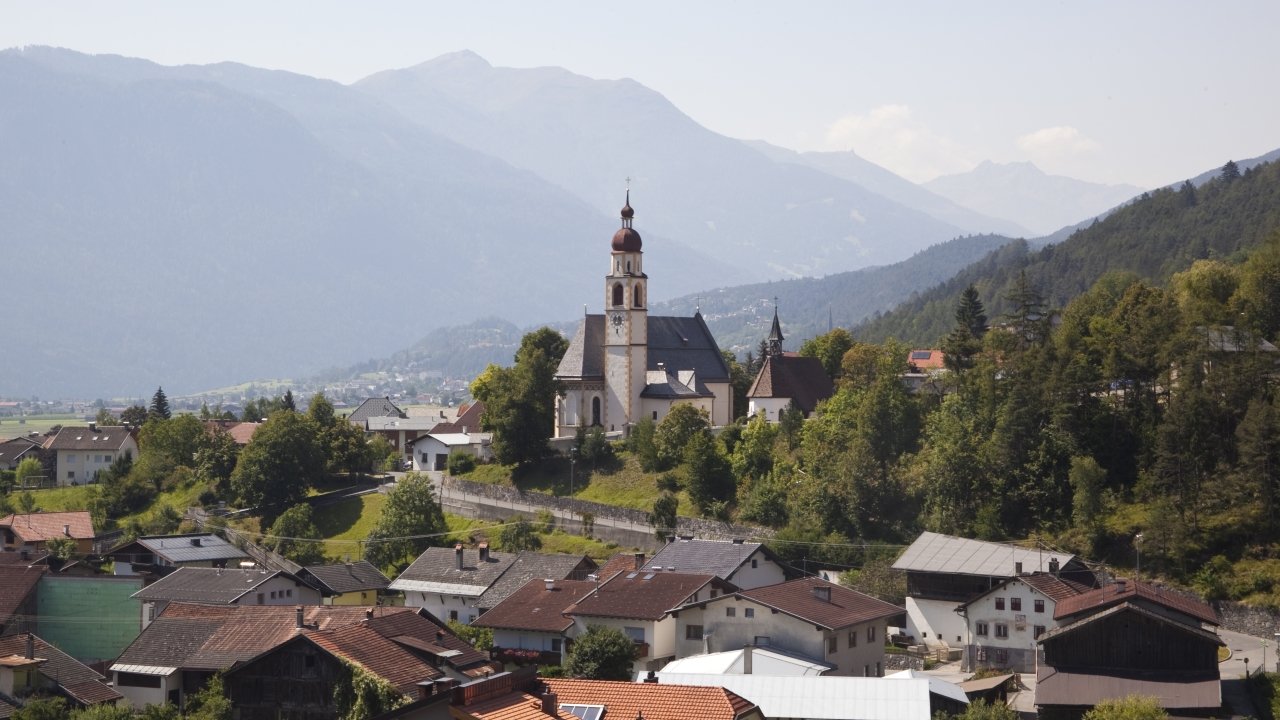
x=1172, y=690
x=937, y=686
x=143, y=669
x=439, y=588
x=191, y=548
x=932, y=552
x=765, y=661
x=822, y=698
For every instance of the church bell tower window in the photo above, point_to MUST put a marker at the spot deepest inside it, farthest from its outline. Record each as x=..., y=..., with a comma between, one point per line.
x=617, y=295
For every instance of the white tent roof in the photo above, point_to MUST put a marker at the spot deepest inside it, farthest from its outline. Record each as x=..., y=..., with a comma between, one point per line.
x=821, y=698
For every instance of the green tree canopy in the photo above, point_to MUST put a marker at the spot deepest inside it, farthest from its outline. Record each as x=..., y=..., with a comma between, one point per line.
x=518, y=535
x=663, y=517
x=601, y=653
x=830, y=349
x=681, y=424
x=411, y=512
x=290, y=533
x=281, y=462
x=520, y=400
x=1134, y=707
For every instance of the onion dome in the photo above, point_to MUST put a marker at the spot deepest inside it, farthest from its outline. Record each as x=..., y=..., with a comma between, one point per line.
x=626, y=239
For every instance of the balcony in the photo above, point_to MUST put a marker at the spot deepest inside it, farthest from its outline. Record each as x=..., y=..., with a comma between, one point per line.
x=521, y=657
x=642, y=650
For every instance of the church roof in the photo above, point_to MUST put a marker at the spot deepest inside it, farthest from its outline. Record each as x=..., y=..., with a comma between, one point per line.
x=801, y=379
x=678, y=343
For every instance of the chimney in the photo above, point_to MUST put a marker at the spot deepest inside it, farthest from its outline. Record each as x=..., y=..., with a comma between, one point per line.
x=66, y=530
x=1017, y=568
x=551, y=584
x=31, y=646
x=822, y=592
x=368, y=613
x=746, y=659
x=93, y=426
x=457, y=554
x=297, y=618
x=195, y=542
x=549, y=705
x=1120, y=585
x=442, y=685
x=426, y=689
x=484, y=552
x=639, y=562
x=652, y=677
x=1053, y=566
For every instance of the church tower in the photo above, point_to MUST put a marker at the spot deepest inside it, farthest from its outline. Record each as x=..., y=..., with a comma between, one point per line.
x=626, y=331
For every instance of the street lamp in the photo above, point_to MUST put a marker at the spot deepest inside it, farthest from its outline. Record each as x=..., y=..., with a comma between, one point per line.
x=573, y=462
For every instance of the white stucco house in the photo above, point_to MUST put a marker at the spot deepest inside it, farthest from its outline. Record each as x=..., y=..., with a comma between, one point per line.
x=1003, y=624
x=82, y=452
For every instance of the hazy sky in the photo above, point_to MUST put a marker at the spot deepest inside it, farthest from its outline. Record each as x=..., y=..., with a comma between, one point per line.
x=1139, y=92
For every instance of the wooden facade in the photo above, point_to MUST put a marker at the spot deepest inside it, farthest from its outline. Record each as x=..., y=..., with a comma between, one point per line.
x=295, y=681
x=1132, y=640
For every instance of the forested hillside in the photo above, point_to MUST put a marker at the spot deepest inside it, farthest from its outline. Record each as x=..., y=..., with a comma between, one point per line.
x=1157, y=235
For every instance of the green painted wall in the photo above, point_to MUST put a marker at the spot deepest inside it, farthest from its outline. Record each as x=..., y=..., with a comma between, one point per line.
x=89, y=618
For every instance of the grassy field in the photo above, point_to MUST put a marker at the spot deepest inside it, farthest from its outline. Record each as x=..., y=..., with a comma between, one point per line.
x=64, y=499
x=12, y=427
x=624, y=484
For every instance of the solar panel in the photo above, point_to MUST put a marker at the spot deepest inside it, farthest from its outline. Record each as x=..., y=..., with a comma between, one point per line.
x=631, y=575
x=647, y=577
x=584, y=712
x=920, y=354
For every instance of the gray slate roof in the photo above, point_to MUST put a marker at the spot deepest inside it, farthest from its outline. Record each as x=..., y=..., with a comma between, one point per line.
x=184, y=548
x=932, y=552
x=11, y=451
x=375, y=407
x=104, y=437
x=346, y=577
x=721, y=558
x=530, y=565
x=438, y=566
x=205, y=585
x=678, y=343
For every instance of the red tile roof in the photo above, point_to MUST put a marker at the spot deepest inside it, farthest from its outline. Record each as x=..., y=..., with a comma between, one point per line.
x=1123, y=591
x=799, y=598
x=627, y=700
x=618, y=563
x=642, y=595
x=534, y=607
x=363, y=646
x=43, y=526
x=922, y=360
x=511, y=706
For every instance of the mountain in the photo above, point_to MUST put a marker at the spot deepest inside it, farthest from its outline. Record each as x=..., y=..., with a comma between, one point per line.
x=712, y=192
x=849, y=166
x=1026, y=195
x=1160, y=233
x=192, y=227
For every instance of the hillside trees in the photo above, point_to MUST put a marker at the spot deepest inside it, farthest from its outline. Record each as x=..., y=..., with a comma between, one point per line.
x=293, y=534
x=411, y=522
x=282, y=460
x=520, y=400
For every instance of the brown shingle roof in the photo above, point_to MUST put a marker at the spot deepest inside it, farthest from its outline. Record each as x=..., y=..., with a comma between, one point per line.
x=419, y=626
x=470, y=417
x=1055, y=588
x=530, y=565
x=16, y=583
x=534, y=607
x=103, y=437
x=642, y=595
x=656, y=701
x=80, y=681
x=347, y=577
x=799, y=598
x=1124, y=591
x=365, y=647
x=618, y=563
x=439, y=565
x=800, y=379
x=43, y=526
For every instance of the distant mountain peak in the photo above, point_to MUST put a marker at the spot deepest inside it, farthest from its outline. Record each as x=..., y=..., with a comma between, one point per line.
x=459, y=60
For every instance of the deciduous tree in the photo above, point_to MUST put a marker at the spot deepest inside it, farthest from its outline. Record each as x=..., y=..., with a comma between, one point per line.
x=411, y=511
x=282, y=460
x=292, y=533
x=601, y=653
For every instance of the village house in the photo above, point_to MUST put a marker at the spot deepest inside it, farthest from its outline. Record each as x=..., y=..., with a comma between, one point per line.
x=31, y=667
x=447, y=582
x=189, y=642
x=431, y=451
x=944, y=571
x=374, y=407
x=1130, y=638
x=32, y=533
x=529, y=565
x=161, y=554
x=533, y=620
x=1004, y=623
x=352, y=583
x=745, y=564
x=641, y=604
x=808, y=617
x=786, y=379
x=216, y=586
x=82, y=452
x=13, y=451
x=924, y=370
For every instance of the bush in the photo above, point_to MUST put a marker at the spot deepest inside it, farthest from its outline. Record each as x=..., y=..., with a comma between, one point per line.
x=460, y=462
x=546, y=521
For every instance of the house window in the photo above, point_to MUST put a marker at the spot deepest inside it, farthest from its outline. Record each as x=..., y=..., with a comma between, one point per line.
x=1002, y=631
x=730, y=612
x=762, y=640
x=980, y=629
x=262, y=598
x=655, y=414
x=453, y=615
x=288, y=593
x=1015, y=604
x=71, y=457
x=124, y=679
x=555, y=644
x=71, y=474
x=1039, y=605
x=749, y=612
x=753, y=563
x=999, y=603
x=866, y=671
x=151, y=611
x=1039, y=631
x=871, y=634
x=595, y=412
x=831, y=644
x=635, y=633
x=106, y=458
x=853, y=638
x=692, y=632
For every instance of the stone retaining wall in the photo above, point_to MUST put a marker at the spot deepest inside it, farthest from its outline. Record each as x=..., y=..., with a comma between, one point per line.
x=1258, y=622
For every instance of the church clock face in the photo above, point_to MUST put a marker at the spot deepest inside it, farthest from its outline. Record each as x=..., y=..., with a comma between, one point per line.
x=617, y=323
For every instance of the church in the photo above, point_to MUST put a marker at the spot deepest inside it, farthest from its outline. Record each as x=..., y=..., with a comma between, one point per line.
x=624, y=365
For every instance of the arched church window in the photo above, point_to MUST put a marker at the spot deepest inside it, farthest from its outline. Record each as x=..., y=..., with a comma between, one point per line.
x=639, y=297
x=628, y=267
x=618, y=294
x=595, y=411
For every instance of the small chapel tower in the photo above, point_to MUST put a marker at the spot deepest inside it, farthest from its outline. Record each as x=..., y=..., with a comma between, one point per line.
x=626, y=332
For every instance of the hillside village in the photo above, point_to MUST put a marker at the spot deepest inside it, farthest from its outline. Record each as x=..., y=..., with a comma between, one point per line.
x=751, y=577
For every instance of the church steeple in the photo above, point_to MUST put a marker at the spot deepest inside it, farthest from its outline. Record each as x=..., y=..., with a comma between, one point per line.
x=774, y=343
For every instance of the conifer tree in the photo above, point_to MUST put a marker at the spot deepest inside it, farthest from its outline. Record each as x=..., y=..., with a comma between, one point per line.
x=159, y=406
x=1230, y=171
